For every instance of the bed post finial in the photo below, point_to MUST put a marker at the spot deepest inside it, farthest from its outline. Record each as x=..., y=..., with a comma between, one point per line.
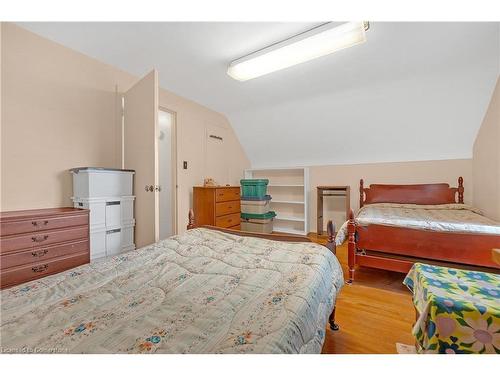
x=361, y=192
x=191, y=219
x=460, y=189
x=351, y=245
x=330, y=229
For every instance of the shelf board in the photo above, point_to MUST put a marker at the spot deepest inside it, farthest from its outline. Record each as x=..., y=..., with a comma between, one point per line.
x=290, y=218
x=288, y=230
x=276, y=169
x=287, y=202
x=285, y=185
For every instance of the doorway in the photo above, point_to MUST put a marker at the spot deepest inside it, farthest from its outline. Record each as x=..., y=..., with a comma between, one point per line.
x=167, y=173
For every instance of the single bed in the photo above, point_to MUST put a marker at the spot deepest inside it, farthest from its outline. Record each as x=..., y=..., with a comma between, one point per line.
x=204, y=291
x=398, y=225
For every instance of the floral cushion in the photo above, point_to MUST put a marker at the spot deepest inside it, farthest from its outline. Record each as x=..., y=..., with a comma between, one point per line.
x=459, y=310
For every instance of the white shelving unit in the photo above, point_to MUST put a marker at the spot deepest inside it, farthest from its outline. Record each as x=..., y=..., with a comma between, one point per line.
x=289, y=189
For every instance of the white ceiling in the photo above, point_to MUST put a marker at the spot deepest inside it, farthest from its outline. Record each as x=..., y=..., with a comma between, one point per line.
x=413, y=91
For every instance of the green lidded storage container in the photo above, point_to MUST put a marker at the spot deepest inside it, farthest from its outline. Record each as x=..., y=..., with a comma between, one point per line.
x=254, y=187
x=266, y=216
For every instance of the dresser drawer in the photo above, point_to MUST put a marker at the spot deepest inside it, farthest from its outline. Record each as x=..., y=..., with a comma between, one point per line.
x=18, y=275
x=17, y=227
x=39, y=224
x=224, y=195
x=227, y=221
x=42, y=253
x=37, y=239
x=225, y=208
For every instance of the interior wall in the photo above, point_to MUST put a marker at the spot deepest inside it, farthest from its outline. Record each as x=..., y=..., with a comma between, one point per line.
x=440, y=112
x=1, y=116
x=193, y=120
x=58, y=113
x=389, y=173
x=61, y=109
x=486, y=160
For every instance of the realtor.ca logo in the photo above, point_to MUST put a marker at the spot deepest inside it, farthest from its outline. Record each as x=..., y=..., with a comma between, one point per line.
x=34, y=350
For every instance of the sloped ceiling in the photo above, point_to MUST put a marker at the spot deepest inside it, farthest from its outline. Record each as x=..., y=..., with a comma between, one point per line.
x=413, y=91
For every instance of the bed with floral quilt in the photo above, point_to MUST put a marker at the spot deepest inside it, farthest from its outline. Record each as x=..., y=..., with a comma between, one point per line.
x=203, y=291
x=458, y=311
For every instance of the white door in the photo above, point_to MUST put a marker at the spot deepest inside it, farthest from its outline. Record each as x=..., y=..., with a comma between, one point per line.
x=166, y=176
x=141, y=154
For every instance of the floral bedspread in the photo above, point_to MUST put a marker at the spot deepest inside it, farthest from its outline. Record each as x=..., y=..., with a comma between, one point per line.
x=200, y=292
x=441, y=217
x=459, y=310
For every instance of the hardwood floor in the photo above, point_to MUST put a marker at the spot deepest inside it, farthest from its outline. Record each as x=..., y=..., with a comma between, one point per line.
x=374, y=313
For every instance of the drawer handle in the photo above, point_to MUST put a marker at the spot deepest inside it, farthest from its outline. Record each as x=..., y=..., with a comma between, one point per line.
x=39, y=269
x=36, y=223
x=38, y=239
x=40, y=253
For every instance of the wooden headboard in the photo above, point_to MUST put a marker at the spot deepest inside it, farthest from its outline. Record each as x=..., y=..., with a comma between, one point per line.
x=412, y=194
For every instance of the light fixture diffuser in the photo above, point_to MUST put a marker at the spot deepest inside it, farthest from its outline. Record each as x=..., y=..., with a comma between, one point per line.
x=309, y=45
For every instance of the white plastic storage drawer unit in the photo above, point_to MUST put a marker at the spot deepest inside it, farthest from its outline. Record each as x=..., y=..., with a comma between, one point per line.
x=113, y=241
x=107, y=193
x=110, y=213
x=113, y=214
x=109, y=242
x=101, y=182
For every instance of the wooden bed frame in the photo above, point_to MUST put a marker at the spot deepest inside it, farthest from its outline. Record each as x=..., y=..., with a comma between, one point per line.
x=397, y=248
x=330, y=244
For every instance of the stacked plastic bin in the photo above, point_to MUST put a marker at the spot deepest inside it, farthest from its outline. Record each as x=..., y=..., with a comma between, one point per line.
x=256, y=215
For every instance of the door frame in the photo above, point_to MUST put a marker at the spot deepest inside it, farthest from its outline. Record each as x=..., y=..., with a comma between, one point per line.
x=174, y=185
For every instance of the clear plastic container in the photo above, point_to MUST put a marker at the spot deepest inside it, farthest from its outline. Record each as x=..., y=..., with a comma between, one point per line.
x=254, y=206
x=250, y=226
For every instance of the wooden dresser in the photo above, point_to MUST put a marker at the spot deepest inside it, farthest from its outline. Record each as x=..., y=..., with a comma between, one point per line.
x=218, y=206
x=37, y=243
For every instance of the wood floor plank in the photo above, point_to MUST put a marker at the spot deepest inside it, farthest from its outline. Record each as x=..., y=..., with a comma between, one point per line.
x=374, y=313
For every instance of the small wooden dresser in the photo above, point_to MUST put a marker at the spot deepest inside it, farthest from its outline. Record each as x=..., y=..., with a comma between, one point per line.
x=37, y=243
x=218, y=206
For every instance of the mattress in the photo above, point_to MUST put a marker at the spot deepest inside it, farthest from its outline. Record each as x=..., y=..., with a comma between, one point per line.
x=444, y=217
x=200, y=292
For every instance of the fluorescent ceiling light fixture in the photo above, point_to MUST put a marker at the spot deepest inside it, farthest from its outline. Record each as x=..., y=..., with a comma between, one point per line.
x=309, y=45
